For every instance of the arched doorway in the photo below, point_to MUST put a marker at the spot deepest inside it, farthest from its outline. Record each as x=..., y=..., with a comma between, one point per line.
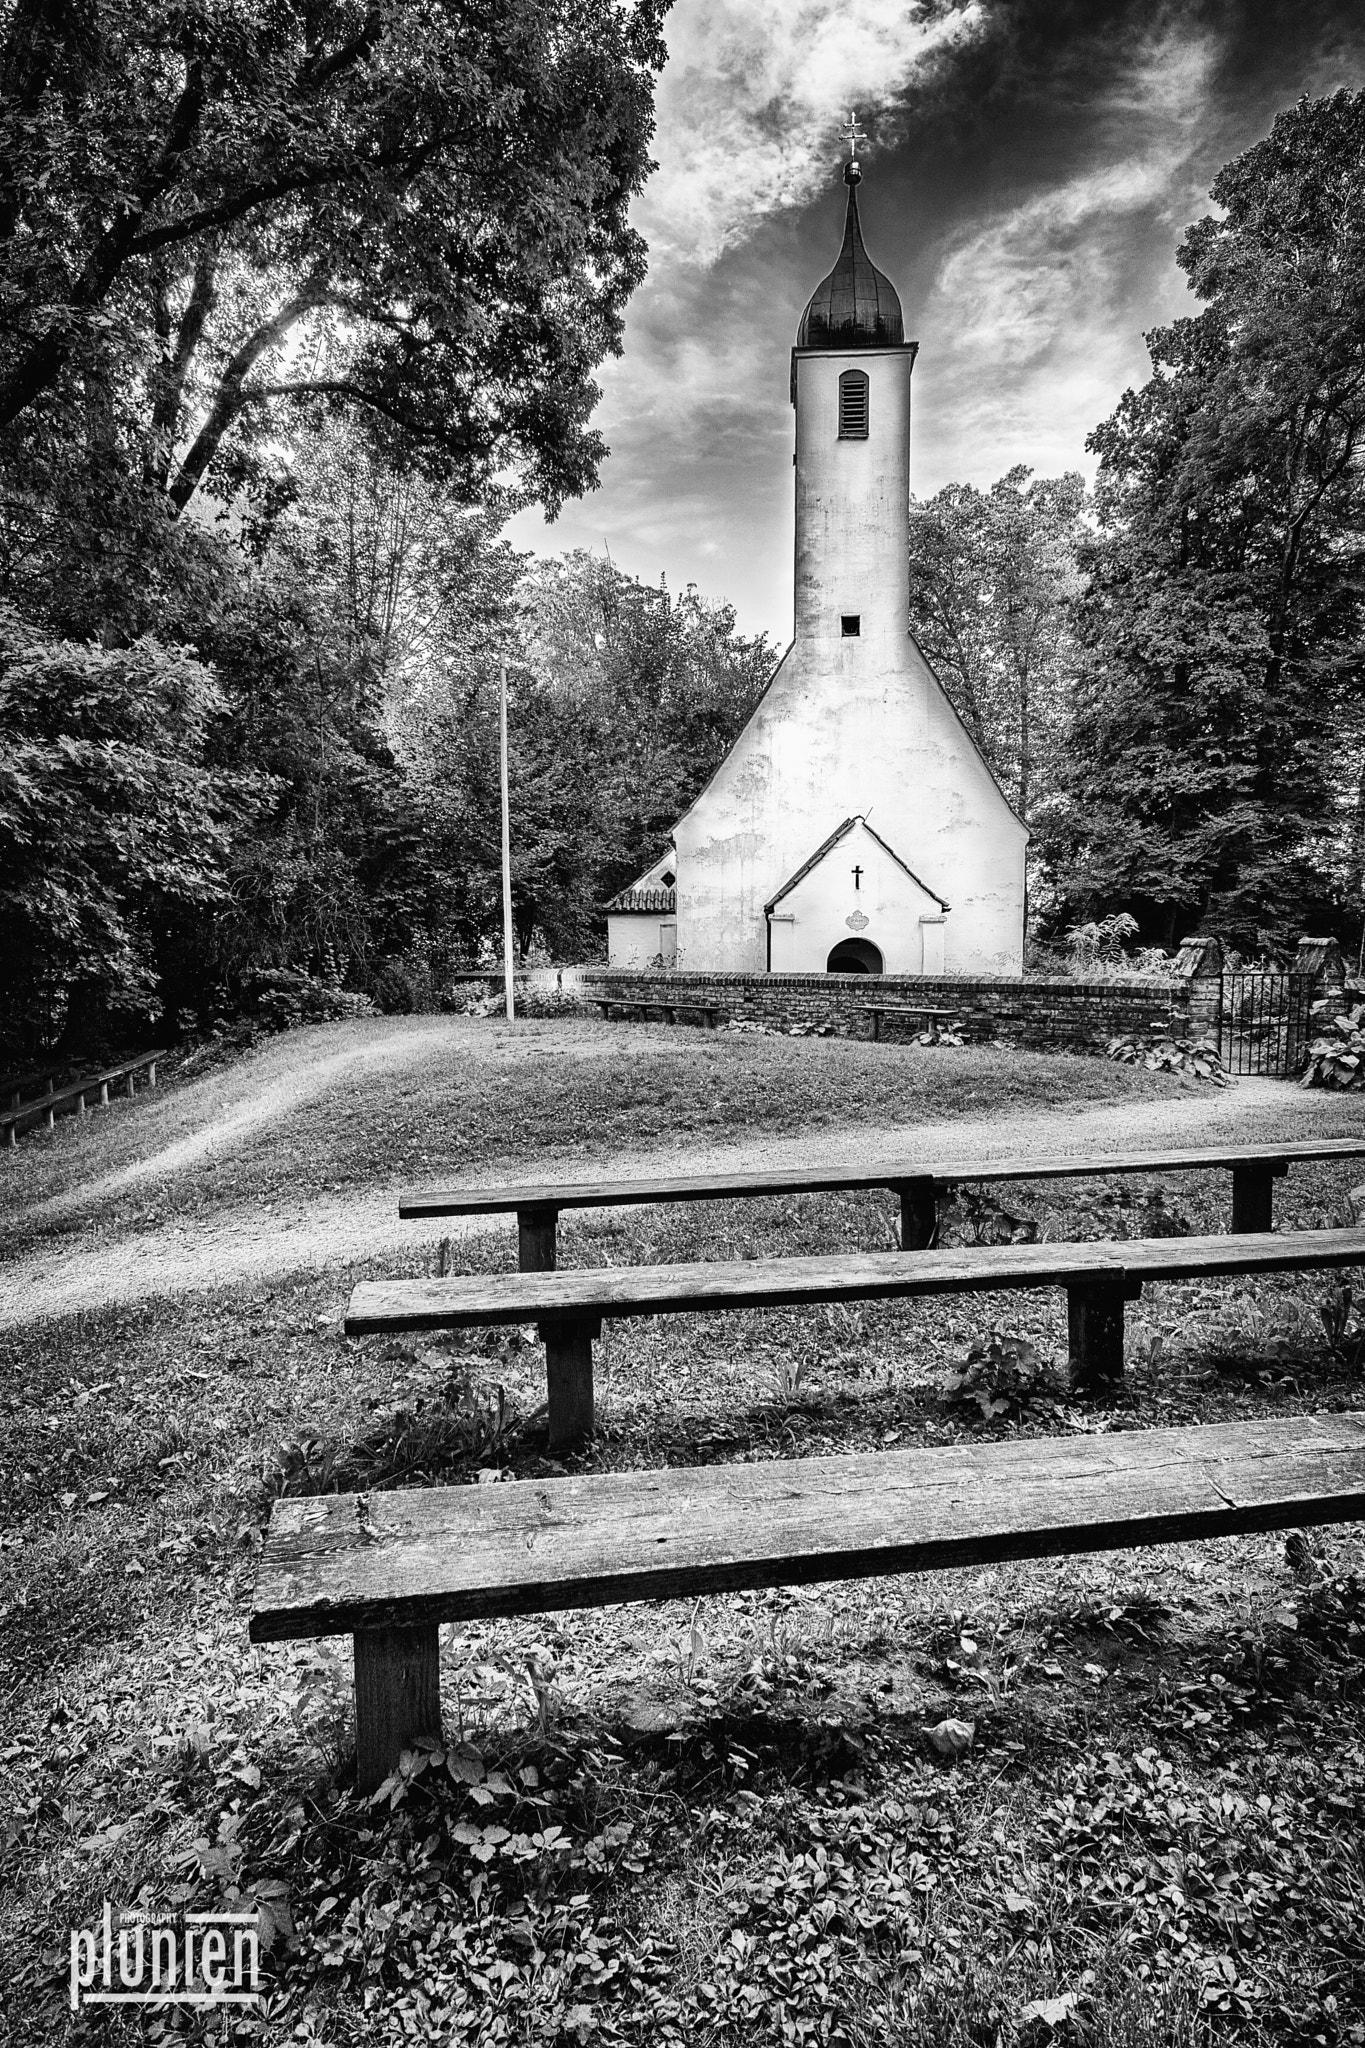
x=854, y=956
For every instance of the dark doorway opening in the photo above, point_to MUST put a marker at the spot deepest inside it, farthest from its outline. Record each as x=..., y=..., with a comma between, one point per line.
x=854, y=956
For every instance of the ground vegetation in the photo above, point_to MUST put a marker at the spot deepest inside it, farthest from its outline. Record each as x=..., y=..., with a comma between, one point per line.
x=1124, y=1791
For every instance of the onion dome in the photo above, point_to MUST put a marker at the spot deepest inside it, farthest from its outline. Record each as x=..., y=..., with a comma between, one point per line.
x=855, y=306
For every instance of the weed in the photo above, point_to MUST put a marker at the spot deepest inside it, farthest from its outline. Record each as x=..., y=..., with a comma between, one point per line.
x=978, y=1217
x=467, y=1426
x=1345, y=1339
x=1002, y=1375
x=790, y=1376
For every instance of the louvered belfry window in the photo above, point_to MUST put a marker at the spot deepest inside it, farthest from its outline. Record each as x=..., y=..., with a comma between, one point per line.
x=853, y=406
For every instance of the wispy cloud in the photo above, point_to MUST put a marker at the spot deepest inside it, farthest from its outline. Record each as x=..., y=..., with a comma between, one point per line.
x=751, y=103
x=1051, y=266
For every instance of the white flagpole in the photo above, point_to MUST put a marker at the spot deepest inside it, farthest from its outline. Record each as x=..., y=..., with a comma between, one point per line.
x=508, y=939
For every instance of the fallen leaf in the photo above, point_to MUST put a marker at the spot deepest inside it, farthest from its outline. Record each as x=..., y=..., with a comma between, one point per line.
x=951, y=1738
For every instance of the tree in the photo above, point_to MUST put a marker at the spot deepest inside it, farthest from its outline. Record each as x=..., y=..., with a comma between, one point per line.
x=622, y=701
x=110, y=823
x=213, y=211
x=992, y=578
x=1216, y=742
x=328, y=274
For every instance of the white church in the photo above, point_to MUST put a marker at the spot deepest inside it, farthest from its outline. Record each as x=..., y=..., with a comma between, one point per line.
x=854, y=826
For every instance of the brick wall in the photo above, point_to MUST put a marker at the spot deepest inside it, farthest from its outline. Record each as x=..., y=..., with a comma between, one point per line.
x=1035, y=1010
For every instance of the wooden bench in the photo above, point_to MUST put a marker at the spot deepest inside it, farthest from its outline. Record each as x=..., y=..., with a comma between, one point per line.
x=44, y=1107
x=876, y=1011
x=41, y=1079
x=388, y=1568
x=670, y=1007
x=570, y=1307
x=920, y=1184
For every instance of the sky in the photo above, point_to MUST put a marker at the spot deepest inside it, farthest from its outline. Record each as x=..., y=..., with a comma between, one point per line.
x=1029, y=169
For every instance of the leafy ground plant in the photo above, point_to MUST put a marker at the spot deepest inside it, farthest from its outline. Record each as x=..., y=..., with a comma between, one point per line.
x=1003, y=1375
x=973, y=1215
x=1199, y=1056
x=1336, y=1057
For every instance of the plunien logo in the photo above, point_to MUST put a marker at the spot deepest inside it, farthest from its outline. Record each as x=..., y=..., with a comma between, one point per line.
x=185, y=1959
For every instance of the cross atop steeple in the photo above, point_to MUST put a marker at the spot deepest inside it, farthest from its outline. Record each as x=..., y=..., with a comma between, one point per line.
x=853, y=136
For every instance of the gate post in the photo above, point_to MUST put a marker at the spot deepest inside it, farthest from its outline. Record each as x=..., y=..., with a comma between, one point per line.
x=1320, y=973
x=1199, y=964
x=1321, y=958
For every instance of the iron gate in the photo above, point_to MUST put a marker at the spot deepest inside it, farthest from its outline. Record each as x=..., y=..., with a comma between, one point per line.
x=1264, y=1023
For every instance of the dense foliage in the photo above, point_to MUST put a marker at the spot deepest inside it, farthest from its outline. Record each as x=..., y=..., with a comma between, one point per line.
x=300, y=302
x=289, y=293
x=1216, y=756
x=212, y=213
x=992, y=577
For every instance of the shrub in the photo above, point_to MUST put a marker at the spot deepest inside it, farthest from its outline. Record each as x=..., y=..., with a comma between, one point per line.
x=1336, y=1058
x=552, y=1002
x=282, y=998
x=1102, y=950
x=404, y=986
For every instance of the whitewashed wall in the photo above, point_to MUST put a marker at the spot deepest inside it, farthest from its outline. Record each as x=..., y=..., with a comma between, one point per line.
x=852, y=727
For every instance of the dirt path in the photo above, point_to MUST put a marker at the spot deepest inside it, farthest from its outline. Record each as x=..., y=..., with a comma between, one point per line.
x=266, y=1107
x=320, y=1233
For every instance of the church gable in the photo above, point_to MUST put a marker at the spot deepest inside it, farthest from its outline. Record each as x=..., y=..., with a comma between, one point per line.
x=854, y=906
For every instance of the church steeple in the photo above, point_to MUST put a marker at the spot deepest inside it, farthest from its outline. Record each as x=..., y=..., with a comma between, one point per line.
x=850, y=385
x=855, y=306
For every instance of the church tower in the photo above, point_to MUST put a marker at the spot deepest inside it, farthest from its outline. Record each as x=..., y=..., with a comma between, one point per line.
x=850, y=385
x=854, y=826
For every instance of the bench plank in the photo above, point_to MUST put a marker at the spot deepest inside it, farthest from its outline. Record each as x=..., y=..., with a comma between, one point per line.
x=340, y=1564
x=713, y=1187
x=382, y=1306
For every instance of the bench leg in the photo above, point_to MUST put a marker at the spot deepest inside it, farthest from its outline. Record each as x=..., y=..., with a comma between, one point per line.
x=1253, y=1195
x=104, y=1091
x=1095, y=1332
x=80, y=1105
x=919, y=1215
x=536, y=1240
x=51, y=1121
x=151, y=1075
x=397, y=1697
x=11, y=1136
x=568, y=1373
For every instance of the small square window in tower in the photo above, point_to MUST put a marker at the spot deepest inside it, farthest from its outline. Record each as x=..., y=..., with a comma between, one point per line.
x=853, y=406
x=851, y=625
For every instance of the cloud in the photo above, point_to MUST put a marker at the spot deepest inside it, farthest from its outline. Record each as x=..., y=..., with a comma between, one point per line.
x=1053, y=266
x=752, y=99
x=1034, y=168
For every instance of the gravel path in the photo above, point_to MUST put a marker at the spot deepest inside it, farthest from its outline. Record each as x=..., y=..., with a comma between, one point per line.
x=327, y=1233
